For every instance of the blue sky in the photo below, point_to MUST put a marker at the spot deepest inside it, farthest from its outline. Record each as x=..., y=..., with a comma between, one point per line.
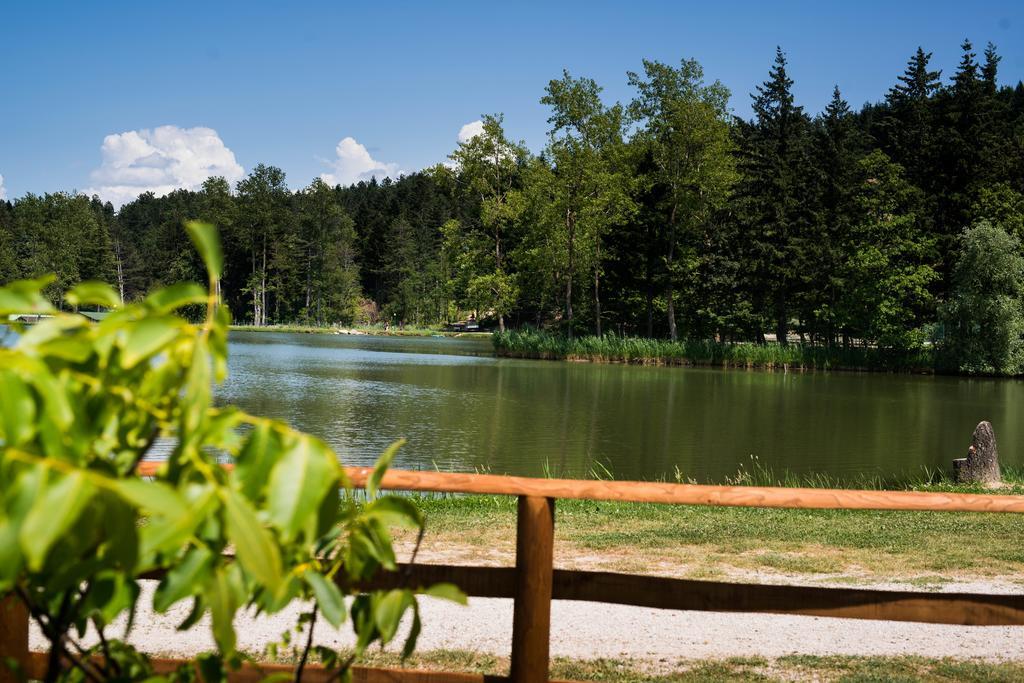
x=285, y=83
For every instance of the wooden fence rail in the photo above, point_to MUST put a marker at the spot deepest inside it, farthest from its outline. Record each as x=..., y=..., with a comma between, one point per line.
x=533, y=583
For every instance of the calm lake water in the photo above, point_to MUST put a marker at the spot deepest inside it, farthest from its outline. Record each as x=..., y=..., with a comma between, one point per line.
x=462, y=410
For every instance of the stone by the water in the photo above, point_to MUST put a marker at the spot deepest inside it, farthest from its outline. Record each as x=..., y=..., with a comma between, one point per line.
x=981, y=466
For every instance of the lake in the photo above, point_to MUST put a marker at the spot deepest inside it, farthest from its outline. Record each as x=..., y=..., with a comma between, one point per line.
x=461, y=409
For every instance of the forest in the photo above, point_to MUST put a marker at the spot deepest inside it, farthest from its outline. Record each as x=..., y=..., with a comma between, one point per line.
x=897, y=225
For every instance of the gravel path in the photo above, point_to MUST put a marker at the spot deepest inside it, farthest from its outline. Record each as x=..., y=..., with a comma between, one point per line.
x=586, y=630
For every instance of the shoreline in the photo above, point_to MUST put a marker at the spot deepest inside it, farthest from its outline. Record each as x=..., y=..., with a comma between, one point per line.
x=361, y=331
x=663, y=362
x=537, y=345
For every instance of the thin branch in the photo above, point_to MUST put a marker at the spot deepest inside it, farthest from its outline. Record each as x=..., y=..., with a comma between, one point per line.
x=342, y=669
x=407, y=574
x=89, y=670
x=309, y=645
x=51, y=628
x=108, y=661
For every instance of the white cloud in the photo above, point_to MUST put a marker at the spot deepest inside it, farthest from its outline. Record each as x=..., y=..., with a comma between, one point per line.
x=353, y=163
x=161, y=160
x=470, y=131
x=3, y=190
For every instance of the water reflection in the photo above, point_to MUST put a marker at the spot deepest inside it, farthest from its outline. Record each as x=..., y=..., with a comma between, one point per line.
x=461, y=409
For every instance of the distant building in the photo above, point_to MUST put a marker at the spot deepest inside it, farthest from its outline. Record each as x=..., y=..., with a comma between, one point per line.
x=27, y=318
x=33, y=318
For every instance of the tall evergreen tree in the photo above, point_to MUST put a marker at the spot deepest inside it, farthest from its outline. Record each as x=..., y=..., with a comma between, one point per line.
x=908, y=132
x=838, y=146
x=777, y=180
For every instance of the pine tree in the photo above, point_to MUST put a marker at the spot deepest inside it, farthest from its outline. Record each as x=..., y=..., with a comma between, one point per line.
x=990, y=69
x=772, y=198
x=967, y=152
x=908, y=131
x=838, y=147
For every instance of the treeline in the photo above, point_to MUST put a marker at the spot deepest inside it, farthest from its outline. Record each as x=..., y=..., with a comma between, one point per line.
x=664, y=216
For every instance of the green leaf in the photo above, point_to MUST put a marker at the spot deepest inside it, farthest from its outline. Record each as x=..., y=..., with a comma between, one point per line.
x=395, y=511
x=111, y=594
x=414, y=633
x=298, y=481
x=148, y=337
x=207, y=242
x=195, y=613
x=52, y=514
x=446, y=591
x=94, y=293
x=10, y=555
x=389, y=611
x=17, y=410
x=211, y=668
x=196, y=402
x=175, y=296
x=254, y=545
x=167, y=534
x=381, y=466
x=183, y=579
x=328, y=597
x=25, y=296
x=151, y=496
x=54, y=393
x=220, y=596
x=256, y=459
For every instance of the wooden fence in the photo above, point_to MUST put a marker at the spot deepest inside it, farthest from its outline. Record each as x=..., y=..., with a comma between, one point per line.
x=533, y=583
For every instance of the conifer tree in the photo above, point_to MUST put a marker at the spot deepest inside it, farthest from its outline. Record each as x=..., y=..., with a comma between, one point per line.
x=908, y=131
x=838, y=145
x=776, y=182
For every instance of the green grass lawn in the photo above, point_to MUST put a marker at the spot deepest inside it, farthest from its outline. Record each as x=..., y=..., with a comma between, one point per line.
x=745, y=669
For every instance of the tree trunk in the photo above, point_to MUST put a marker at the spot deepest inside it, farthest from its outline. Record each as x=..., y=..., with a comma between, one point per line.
x=570, y=231
x=650, y=310
x=120, y=270
x=781, y=320
x=597, y=289
x=263, y=285
x=669, y=282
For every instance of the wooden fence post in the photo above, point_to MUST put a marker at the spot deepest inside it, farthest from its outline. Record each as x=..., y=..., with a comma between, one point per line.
x=531, y=619
x=13, y=636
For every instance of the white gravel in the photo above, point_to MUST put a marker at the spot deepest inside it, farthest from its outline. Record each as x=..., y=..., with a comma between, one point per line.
x=587, y=630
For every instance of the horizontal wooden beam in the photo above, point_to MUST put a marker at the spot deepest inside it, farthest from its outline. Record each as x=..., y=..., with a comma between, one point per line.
x=966, y=609
x=679, y=494
x=692, y=494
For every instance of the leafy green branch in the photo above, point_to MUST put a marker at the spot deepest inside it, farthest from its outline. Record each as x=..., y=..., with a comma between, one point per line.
x=81, y=404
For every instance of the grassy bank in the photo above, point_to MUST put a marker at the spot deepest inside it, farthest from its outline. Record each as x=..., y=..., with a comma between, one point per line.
x=921, y=549
x=371, y=330
x=832, y=669
x=615, y=349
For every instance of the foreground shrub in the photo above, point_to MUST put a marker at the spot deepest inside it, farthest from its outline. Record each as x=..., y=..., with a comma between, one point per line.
x=80, y=406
